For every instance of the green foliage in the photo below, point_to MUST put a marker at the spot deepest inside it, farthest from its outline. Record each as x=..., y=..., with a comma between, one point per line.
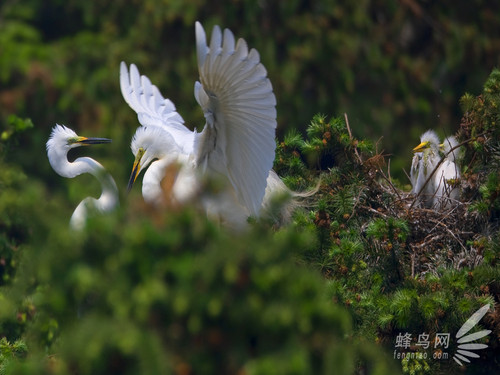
x=141, y=291
x=9, y=351
x=128, y=296
x=367, y=240
x=149, y=293
x=15, y=228
x=13, y=224
x=480, y=127
x=391, y=229
x=14, y=125
x=60, y=61
x=481, y=115
x=403, y=307
x=415, y=366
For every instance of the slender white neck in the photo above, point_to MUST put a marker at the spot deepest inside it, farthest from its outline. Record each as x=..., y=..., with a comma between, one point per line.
x=184, y=185
x=109, y=196
x=152, y=191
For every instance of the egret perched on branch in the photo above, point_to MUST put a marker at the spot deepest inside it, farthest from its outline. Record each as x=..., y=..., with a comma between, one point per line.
x=237, y=144
x=424, y=162
x=61, y=140
x=447, y=174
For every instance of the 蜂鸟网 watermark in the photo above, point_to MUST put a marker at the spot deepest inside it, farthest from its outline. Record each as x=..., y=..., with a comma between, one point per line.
x=440, y=342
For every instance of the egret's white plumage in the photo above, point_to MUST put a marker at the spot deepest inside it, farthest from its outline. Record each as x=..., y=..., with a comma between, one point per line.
x=156, y=150
x=236, y=145
x=424, y=162
x=61, y=140
x=446, y=193
x=163, y=155
x=415, y=178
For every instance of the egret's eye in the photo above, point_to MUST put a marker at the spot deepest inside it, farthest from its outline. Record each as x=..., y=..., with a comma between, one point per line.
x=73, y=140
x=140, y=153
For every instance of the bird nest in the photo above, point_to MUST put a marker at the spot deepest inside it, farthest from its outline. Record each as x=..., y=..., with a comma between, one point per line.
x=440, y=237
x=358, y=194
x=449, y=238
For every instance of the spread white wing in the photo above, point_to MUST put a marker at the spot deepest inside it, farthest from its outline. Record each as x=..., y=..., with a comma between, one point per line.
x=151, y=108
x=240, y=108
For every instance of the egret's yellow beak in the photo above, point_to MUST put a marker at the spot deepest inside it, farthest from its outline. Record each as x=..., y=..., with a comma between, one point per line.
x=135, y=169
x=441, y=147
x=421, y=146
x=85, y=141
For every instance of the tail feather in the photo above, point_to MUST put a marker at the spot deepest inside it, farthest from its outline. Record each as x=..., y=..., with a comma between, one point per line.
x=280, y=202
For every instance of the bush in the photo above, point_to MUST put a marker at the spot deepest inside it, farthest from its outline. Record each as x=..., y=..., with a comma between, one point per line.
x=141, y=291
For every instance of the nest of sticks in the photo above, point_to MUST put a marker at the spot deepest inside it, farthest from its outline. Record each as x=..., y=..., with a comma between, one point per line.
x=449, y=236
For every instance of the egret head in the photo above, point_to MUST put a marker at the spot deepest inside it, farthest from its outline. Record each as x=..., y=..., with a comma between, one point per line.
x=63, y=138
x=428, y=140
x=150, y=143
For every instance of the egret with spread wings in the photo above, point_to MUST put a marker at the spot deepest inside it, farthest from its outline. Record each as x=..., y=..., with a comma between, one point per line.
x=237, y=144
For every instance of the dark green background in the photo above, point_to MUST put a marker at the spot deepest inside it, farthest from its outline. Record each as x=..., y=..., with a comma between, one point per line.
x=396, y=68
x=134, y=277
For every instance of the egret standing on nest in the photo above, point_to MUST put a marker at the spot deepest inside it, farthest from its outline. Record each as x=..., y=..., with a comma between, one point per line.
x=61, y=140
x=447, y=174
x=424, y=162
x=237, y=144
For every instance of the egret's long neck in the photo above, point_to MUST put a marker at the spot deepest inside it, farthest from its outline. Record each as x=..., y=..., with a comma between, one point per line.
x=109, y=196
x=182, y=180
x=58, y=159
x=151, y=183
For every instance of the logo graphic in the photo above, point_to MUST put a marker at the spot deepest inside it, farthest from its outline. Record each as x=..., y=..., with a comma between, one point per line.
x=465, y=348
x=441, y=341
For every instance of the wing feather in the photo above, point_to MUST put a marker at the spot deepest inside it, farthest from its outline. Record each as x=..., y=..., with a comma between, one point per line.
x=228, y=45
x=238, y=101
x=151, y=107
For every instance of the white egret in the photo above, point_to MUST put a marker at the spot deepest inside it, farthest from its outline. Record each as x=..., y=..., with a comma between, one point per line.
x=446, y=175
x=424, y=162
x=167, y=161
x=61, y=140
x=236, y=145
x=156, y=150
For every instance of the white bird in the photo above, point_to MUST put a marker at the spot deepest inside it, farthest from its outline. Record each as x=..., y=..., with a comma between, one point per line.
x=237, y=144
x=61, y=140
x=155, y=147
x=424, y=162
x=447, y=173
x=172, y=180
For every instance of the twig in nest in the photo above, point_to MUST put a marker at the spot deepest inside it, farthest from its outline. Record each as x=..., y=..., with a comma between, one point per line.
x=357, y=200
x=412, y=265
x=427, y=242
x=350, y=137
x=388, y=179
x=439, y=222
x=368, y=208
